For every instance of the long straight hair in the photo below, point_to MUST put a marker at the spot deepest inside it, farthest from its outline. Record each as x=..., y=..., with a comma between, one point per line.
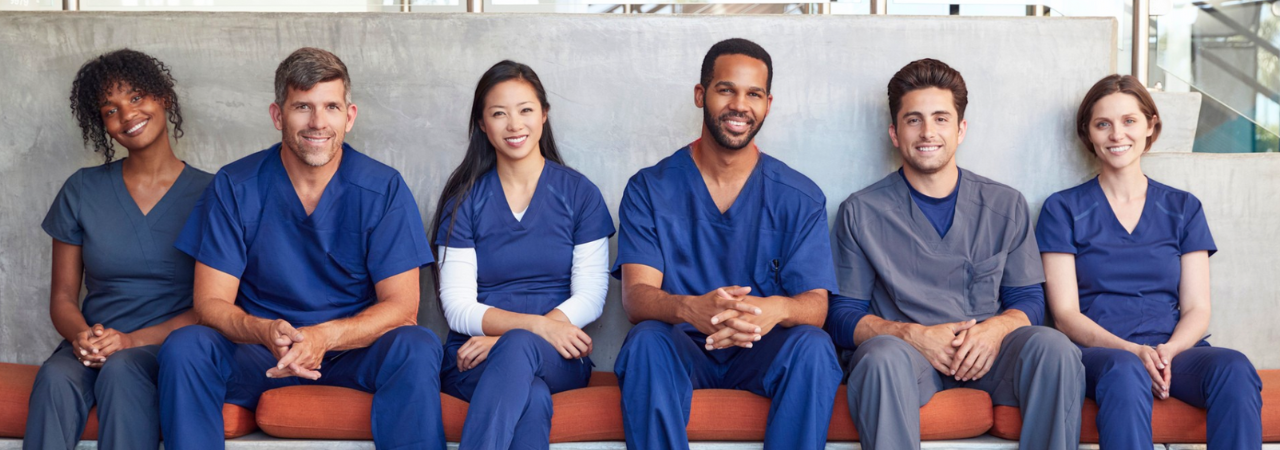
x=481, y=157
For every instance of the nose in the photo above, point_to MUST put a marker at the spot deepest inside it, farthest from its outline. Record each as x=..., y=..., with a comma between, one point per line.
x=315, y=121
x=1116, y=134
x=513, y=125
x=929, y=130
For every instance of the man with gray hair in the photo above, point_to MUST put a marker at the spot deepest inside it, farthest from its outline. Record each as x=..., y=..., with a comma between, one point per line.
x=307, y=257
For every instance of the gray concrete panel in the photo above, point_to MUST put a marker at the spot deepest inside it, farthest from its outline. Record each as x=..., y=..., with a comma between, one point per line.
x=621, y=94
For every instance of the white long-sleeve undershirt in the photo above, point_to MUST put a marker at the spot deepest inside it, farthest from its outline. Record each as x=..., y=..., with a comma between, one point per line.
x=588, y=285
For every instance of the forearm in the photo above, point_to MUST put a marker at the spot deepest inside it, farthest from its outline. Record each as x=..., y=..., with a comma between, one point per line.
x=1191, y=328
x=363, y=329
x=1084, y=331
x=155, y=334
x=807, y=308
x=871, y=326
x=498, y=321
x=643, y=302
x=67, y=318
x=235, y=324
x=1008, y=321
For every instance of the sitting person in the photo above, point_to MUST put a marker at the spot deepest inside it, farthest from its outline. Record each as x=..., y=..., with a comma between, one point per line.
x=113, y=228
x=307, y=257
x=524, y=265
x=940, y=284
x=1127, y=266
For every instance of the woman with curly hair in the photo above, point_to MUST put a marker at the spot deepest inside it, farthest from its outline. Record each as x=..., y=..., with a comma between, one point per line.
x=113, y=228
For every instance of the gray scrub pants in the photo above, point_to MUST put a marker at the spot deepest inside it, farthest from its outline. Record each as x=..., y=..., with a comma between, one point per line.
x=124, y=390
x=1037, y=370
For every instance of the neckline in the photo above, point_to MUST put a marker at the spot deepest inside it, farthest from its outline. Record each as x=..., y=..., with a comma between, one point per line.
x=704, y=194
x=285, y=184
x=921, y=223
x=131, y=205
x=508, y=215
x=1115, y=219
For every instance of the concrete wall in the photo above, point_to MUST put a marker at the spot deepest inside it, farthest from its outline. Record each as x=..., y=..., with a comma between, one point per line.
x=621, y=94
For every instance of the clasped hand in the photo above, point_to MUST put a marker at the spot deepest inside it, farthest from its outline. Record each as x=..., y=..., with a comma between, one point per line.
x=92, y=346
x=298, y=351
x=729, y=317
x=569, y=341
x=1157, y=362
x=963, y=350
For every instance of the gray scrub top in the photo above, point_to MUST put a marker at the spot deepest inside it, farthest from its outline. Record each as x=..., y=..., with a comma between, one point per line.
x=133, y=275
x=888, y=252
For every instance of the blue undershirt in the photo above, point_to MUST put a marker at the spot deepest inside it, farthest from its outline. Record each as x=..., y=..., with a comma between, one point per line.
x=845, y=313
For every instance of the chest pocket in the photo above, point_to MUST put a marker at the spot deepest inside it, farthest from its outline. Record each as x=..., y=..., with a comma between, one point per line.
x=348, y=269
x=767, y=275
x=982, y=285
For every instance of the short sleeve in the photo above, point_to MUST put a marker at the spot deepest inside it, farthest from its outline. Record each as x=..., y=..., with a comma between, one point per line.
x=593, y=221
x=214, y=233
x=1022, y=267
x=809, y=266
x=398, y=243
x=63, y=220
x=854, y=273
x=638, y=231
x=1055, y=231
x=1195, y=230
x=456, y=228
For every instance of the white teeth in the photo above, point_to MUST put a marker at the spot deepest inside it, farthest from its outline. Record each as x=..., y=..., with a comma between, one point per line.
x=1121, y=149
x=316, y=140
x=137, y=127
x=736, y=123
x=928, y=149
x=517, y=140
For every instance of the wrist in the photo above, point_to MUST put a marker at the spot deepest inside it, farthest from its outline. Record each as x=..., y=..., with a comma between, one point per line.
x=322, y=334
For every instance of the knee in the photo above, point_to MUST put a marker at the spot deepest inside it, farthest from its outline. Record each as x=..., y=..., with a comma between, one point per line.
x=1048, y=344
x=129, y=367
x=1233, y=370
x=516, y=343
x=55, y=380
x=881, y=356
x=810, y=346
x=647, y=343
x=414, y=344
x=1123, y=377
x=188, y=346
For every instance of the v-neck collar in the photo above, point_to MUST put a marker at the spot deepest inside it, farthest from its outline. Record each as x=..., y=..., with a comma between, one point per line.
x=920, y=222
x=289, y=195
x=131, y=206
x=530, y=211
x=703, y=193
x=1115, y=219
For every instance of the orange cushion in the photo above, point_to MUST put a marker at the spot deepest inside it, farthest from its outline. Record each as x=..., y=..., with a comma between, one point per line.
x=951, y=414
x=331, y=412
x=603, y=379
x=593, y=413
x=16, y=381
x=1172, y=421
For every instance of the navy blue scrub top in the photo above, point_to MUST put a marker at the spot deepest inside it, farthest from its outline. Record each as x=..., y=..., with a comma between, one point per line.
x=1128, y=282
x=305, y=269
x=134, y=277
x=524, y=266
x=773, y=238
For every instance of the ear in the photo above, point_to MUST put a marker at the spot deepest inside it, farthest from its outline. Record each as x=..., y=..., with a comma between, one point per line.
x=699, y=94
x=893, y=135
x=964, y=126
x=351, y=116
x=1151, y=125
x=277, y=115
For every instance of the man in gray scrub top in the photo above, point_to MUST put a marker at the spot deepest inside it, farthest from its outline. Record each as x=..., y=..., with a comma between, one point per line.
x=940, y=277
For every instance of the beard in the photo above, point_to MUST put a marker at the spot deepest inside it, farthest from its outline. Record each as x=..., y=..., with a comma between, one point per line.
x=311, y=154
x=723, y=137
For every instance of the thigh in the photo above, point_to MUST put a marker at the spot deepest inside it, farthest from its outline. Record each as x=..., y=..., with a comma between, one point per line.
x=1100, y=361
x=248, y=375
x=64, y=369
x=675, y=348
x=747, y=369
x=1193, y=370
x=891, y=354
x=1001, y=381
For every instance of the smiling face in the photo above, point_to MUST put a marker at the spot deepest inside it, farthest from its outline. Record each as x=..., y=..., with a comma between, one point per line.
x=313, y=122
x=512, y=119
x=132, y=118
x=1119, y=131
x=736, y=102
x=927, y=131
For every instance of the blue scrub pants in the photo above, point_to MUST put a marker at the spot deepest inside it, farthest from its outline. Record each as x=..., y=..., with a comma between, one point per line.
x=124, y=390
x=660, y=365
x=200, y=369
x=510, y=391
x=1219, y=379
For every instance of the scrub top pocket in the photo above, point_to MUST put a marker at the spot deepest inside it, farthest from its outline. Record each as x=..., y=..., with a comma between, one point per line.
x=350, y=272
x=768, y=278
x=983, y=285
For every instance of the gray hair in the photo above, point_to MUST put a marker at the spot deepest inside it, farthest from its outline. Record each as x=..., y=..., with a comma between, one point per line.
x=306, y=67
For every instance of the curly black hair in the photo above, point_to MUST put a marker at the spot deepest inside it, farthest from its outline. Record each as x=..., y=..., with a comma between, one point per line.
x=98, y=76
